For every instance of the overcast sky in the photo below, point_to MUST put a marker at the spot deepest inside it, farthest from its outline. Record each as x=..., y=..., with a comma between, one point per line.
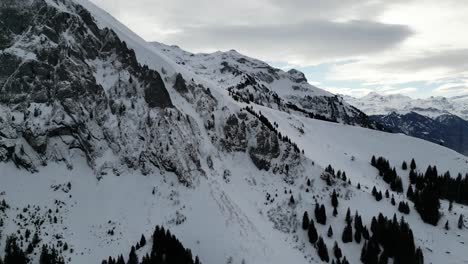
x=415, y=47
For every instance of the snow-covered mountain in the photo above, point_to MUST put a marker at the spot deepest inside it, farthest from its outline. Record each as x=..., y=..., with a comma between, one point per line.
x=376, y=104
x=448, y=130
x=103, y=136
x=251, y=80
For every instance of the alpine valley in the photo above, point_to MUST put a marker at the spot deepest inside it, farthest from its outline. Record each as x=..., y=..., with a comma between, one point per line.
x=117, y=150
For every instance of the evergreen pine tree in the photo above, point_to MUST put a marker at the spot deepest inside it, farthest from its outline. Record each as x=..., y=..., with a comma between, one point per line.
x=363, y=257
x=460, y=222
x=358, y=236
x=322, y=250
x=419, y=256
x=413, y=164
x=337, y=251
x=348, y=216
x=404, y=166
x=330, y=232
x=142, y=241
x=323, y=215
x=305, y=221
x=132, y=257
x=335, y=212
x=334, y=199
x=410, y=192
x=447, y=225
x=347, y=233
x=312, y=233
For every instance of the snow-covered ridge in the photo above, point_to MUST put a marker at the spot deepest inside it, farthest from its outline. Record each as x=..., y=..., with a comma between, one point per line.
x=255, y=81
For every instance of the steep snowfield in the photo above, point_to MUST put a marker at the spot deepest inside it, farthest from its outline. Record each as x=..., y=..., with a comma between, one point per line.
x=350, y=149
x=336, y=144
x=376, y=104
x=219, y=219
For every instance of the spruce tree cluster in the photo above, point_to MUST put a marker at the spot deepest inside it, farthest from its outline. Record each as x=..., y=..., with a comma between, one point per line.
x=389, y=174
x=390, y=239
x=166, y=249
x=50, y=256
x=13, y=253
x=446, y=187
x=377, y=194
x=404, y=207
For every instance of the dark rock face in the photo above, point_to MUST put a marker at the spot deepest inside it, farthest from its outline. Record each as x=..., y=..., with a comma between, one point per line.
x=297, y=76
x=180, y=84
x=235, y=134
x=156, y=94
x=447, y=130
x=69, y=86
x=266, y=149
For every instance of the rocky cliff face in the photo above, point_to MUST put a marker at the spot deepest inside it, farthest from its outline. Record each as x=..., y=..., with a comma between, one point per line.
x=69, y=87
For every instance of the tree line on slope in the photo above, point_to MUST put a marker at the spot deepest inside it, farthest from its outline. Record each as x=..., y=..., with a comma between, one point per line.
x=15, y=255
x=428, y=189
x=166, y=249
x=388, y=174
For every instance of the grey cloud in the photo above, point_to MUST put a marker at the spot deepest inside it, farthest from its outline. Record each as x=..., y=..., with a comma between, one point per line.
x=299, y=30
x=456, y=59
x=311, y=39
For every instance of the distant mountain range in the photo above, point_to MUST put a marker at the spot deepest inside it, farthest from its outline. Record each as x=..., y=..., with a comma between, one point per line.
x=377, y=104
x=437, y=119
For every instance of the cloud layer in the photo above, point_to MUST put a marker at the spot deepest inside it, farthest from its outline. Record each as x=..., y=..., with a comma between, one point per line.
x=387, y=42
